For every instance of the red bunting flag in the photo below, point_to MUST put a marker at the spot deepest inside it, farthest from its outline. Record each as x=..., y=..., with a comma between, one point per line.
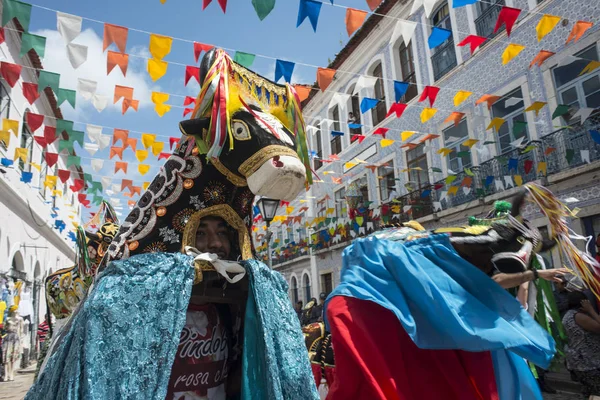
x=10, y=72
x=508, y=16
x=51, y=159
x=381, y=131
x=191, y=71
x=186, y=111
x=396, y=108
x=473, y=41
x=50, y=134
x=199, y=48
x=81, y=197
x=2, y=38
x=34, y=121
x=528, y=165
x=222, y=3
x=189, y=100
x=30, y=91
x=77, y=185
x=41, y=141
x=430, y=92
x=173, y=140
x=164, y=155
x=360, y=138
x=64, y=175
x=373, y=4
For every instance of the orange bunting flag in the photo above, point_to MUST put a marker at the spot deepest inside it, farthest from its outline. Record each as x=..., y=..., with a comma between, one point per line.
x=302, y=91
x=131, y=142
x=122, y=135
x=130, y=103
x=122, y=92
x=456, y=117
x=354, y=19
x=115, y=34
x=126, y=184
x=467, y=181
x=120, y=166
x=136, y=190
x=160, y=46
x=116, y=151
x=324, y=77
x=489, y=99
x=373, y=4
x=429, y=136
x=335, y=180
x=578, y=30
x=131, y=203
x=536, y=106
x=113, y=59
x=542, y=56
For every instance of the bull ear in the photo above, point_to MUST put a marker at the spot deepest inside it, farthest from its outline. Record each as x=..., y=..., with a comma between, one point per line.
x=517, y=203
x=194, y=127
x=548, y=244
x=206, y=63
x=92, y=236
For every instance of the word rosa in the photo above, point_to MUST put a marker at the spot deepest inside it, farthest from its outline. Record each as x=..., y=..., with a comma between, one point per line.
x=192, y=347
x=203, y=378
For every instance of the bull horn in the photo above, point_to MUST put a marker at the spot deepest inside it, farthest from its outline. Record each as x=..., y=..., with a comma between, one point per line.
x=517, y=203
x=206, y=63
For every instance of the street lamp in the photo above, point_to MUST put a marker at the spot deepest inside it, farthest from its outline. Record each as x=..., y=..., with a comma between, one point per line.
x=268, y=209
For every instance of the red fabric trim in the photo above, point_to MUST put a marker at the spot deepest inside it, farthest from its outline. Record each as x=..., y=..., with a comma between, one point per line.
x=376, y=359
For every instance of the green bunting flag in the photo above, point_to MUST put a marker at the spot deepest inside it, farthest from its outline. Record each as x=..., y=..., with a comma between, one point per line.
x=73, y=160
x=569, y=155
x=65, y=145
x=66, y=95
x=64, y=126
x=16, y=9
x=48, y=79
x=263, y=7
x=561, y=110
x=35, y=42
x=519, y=127
x=434, y=169
x=468, y=172
x=77, y=136
x=244, y=59
x=95, y=187
x=87, y=177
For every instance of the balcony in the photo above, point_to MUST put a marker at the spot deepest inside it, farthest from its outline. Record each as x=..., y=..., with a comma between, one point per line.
x=486, y=22
x=444, y=59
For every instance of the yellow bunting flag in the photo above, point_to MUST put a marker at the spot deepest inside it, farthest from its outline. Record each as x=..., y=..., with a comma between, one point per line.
x=143, y=168
x=427, y=114
x=160, y=46
x=496, y=124
x=59, y=194
x=545, y=26
x=452, y=190
x=445, y=151
x=141, y=155
x=386, y=142
x=145, y=185
x=10, y=125
x=5, y=137
x=511, y=51
x=157, y=148
x=330, y=211
x=406, y=134
x=518, y=180
x=50, y=181
x=470, y=143
x=162, y=109
x=460, y=97
x=541, y=168
x=148, y=139
x=593, y=65
x=289, y=210
x=350, y=164
x=36, y=166
x=21, y=153
x=359, y=220
x=536, y=106
x=157, y=68
x=450, y=179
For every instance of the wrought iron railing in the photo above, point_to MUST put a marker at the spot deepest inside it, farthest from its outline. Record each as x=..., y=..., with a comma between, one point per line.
x=563, y=147
x=460, y=197
x=444, y=59
x=486, y=22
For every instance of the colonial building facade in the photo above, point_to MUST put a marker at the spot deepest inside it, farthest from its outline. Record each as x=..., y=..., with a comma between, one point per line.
x=31, y=244
x=416, y=178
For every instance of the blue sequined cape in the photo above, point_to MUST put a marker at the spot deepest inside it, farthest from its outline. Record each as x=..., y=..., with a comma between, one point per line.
x=122, y=341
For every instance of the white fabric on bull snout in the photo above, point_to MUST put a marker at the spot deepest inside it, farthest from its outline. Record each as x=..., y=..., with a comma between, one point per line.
x=223, y=267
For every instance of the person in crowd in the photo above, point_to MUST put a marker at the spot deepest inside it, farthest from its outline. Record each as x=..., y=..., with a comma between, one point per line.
x=307, y=312
x=561, y=295
x=298, y=308
x=317, y=311
x=582, y=325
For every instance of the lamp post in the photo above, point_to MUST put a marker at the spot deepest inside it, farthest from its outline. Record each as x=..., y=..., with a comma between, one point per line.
x=268, y=209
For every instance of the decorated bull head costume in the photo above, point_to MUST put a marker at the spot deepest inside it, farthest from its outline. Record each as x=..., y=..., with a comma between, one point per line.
x=246, y=137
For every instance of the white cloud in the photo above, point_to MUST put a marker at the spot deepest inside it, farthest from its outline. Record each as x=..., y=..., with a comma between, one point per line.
x=94, y=68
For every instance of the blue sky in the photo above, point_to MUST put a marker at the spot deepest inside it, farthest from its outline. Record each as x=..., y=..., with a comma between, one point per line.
x=239, y=29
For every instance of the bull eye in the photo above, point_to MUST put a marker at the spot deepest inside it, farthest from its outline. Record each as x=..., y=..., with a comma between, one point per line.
x=240, y=130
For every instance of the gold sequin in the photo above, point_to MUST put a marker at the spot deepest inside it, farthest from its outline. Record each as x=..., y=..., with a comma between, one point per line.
x=161, y=211
x=188, y=183
x=133, y=245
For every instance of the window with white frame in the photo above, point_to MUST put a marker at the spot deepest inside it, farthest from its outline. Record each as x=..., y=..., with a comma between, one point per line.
x=4, y=107
x=354, y=113
x=378, y=113
x=486, y=17
x=336, y=140
x=302, y=229
x=363, y=187
x=407, y=71
x=454, y=137
x=577, y=90
x=387, y=180
x=294, y=289
x=340, y=203
x=443, y=57
x=511, y=108
x=418, y=168
x=318, y=149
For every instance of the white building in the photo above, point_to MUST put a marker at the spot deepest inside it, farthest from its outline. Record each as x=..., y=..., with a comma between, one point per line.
x=30, y=245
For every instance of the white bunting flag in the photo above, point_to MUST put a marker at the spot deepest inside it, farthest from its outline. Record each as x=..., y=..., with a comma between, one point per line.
x=116, y=187
x=428, y=4
x=512, y=101
x=369, y=225
x=437, y=206
x=94, y=132
x=352, y=233
x=100, y=102
x=361, y=231
x=584, y=113
x=499, y=185
x=518, y=142
x=97, y=165
x=406, y=208
x=376, y=212
x=77, y=54
x=106, y=181
x=466, y=190
x=508, y=181
x=443, y=195
x=585, y=156
x=69, y=26
x=364, y=82
x=104, y=141
x=404, y=29
x=86, y=88
x=91, y=148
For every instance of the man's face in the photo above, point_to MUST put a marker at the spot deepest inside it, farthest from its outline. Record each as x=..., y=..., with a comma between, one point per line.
x=213, y=237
